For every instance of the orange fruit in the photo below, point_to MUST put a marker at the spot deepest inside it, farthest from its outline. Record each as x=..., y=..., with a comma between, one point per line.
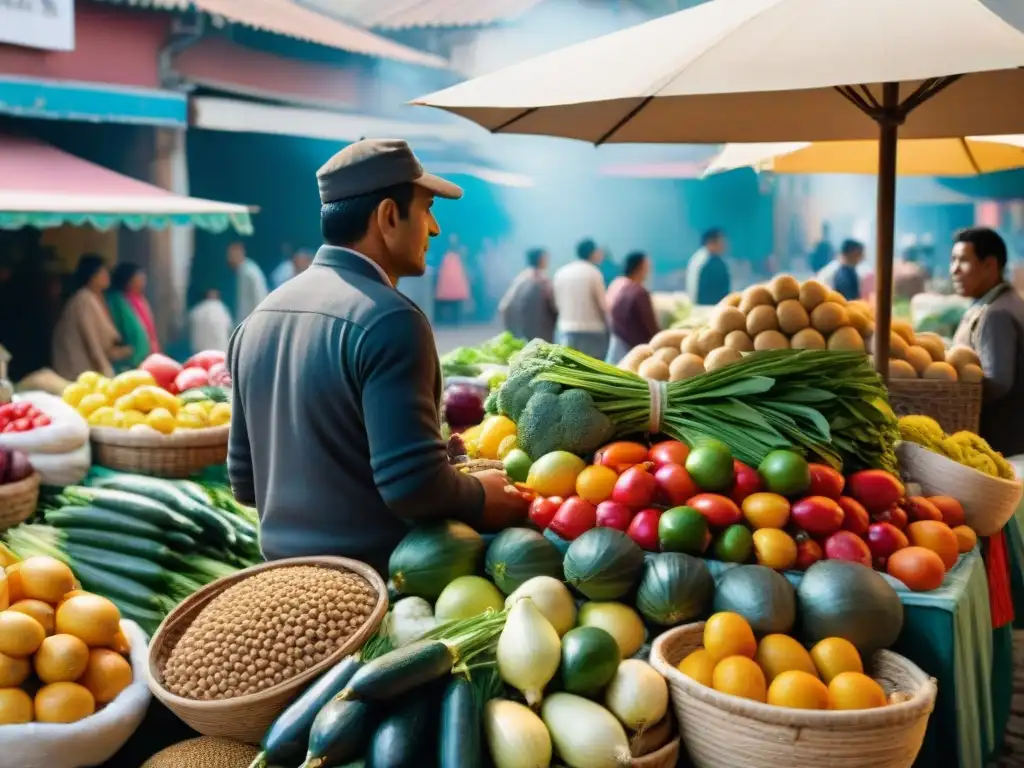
x=766, y=510
x=61, y=659
x=699, y=665
x=775, y=549
x=729, y=634
x=798, y=690
x=855, y=690
x=966, y=538
x=595, y=484
x=121, y=643
x=91, y=618
x=835, y=655
x=64, y=703
x=781, y=653
x=5, y=594
x=20, y=635
x=15, y=707
x=555, y=473
x=38, y=610
x=741, y=677
x=106, y=675
x=13, y=672
x=46, y=578
x=920, y=569
x=72, y=593
x=15, y=591
x=936, y=536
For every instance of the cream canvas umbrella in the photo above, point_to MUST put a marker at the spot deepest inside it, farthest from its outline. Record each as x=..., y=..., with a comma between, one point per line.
x=971, y=156
x=773, y=70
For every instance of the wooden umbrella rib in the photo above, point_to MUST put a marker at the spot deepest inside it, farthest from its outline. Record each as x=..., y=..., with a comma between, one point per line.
x=927, y=90
x=848, y=93
x=628, y=116
x=517, y=118
x=969, y=151
x=869, y=97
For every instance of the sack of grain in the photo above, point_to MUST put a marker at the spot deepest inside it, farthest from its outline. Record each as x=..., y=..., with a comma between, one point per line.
x=204, y=752
x=89, y=742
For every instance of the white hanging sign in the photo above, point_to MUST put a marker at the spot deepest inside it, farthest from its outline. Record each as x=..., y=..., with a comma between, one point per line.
x=47, y=24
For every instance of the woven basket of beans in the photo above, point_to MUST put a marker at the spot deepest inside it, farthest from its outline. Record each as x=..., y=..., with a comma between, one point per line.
x=18, y=501
x=179, y=454
x=233, y=655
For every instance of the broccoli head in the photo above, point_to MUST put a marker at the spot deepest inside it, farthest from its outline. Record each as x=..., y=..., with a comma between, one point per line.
x=517, y=390
x=568, y=421
x=491, y=404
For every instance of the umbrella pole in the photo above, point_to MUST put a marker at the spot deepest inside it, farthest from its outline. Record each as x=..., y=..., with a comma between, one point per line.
x=889, y=118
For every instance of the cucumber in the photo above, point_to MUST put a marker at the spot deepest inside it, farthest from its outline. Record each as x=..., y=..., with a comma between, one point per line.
x=181, y=541
x=146, y=618
x=194, y=491
x=138, y=506
x=340, y=733
x=124, y=543
x=285, y=741
x=401, y=670
x=403, y=740
x=459, y=734
x=165, y=492
x=99, y=519
x=131, y=567
x=112, y=586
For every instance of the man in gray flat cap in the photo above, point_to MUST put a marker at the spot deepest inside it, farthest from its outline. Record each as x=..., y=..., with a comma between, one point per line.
x=335, y=429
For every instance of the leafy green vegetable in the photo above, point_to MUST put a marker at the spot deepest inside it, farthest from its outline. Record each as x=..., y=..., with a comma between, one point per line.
x=470, y=361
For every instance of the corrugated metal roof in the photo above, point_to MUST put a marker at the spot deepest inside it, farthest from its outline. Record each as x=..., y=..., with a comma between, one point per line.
x=285, y=17
x=406, y=14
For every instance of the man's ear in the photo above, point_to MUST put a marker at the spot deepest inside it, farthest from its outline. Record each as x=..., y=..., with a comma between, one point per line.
x=387, y=215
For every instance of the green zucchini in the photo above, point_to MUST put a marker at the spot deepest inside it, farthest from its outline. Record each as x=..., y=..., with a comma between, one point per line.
x=339, y=734
x=285, y=741
x=99, y=519
x=402, y=740
x=181, y=541
x=165, y=492
x=138, y=506
x=194, y=491
x=123, y=543
x=112, y=586
x=131, y=567
x=400, y=671
x=459, y=734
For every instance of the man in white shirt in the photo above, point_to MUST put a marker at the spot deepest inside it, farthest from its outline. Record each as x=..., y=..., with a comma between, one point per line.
x=295, y=264
x=209, y=324
x=580, y=299
x=251, y=284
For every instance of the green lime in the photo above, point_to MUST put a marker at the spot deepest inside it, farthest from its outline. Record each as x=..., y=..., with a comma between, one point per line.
x=785, y=473
x=517, y=465
x=682, y=529
x=735, y=544
x=710, y=465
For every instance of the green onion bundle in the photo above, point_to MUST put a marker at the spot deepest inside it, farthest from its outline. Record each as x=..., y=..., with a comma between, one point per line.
x=832, y=406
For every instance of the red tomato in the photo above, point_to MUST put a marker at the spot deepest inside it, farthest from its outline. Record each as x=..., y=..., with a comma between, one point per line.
x=621, y=456
x=920, y=508
x=21, y=425
x=747, y=482
x=675, y=485
x=808, y=552
x=205, y=359
x=21, y=410
x=7, y=411
x=644, y=529
x=896, y=515
x=843, y=545
x=543, y=510
x=720, y=511
x=190, y=378
x=636, y=488
x=612, y=514
x=575, y=517
x=9, y=427
x=825, y=481
x=668, y=452
x=4, y=421
x=818, y=515
x=42, y=420
x=855, y=517
x=162, y=368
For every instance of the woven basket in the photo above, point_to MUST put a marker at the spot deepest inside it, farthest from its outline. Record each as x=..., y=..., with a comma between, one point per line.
x=722, y=731
x=179, y=454
x=666, y=757
x=18, y=501
x=247, y=718
x=956, y=405
x=988, y=502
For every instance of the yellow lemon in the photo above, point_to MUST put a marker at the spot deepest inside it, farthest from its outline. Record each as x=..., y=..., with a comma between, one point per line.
x=495, y=429
x=798, y=690
x=855, y=690
x=220, y=414
x=125, y=402
x=165, y=399
x=161, y=420
x=74, y=392
x=208, y=405
x=120, y=385
x=88, y=379
x=145, y=398
x=700, y=666
x=507, y=445
x=835, y=655
x=186, y=420
x=104, y=416
x=101, y=385
x=741, y=677
x=781, y=653
x=91, y=403
x=729, y=634
x=194, y=409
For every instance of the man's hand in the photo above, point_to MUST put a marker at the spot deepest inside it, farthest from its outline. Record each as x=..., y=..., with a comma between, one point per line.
x=504, y=506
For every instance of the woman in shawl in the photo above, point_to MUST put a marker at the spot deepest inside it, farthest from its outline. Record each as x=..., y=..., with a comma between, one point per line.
x=131, y=314
x=85, y=338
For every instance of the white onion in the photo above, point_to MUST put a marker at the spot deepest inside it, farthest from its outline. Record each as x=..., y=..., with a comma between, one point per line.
x=529, y=651
x=516, y=737
x=585, y=734
x=637, y=695
x=552, y=598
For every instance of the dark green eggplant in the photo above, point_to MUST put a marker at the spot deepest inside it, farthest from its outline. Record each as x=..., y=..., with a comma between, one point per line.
x=404, y=738
x=400, y=671
x=459, y=734
x=286, y=740
x=340, y=733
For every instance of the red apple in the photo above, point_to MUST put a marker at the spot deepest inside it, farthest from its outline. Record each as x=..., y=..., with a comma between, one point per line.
x=843, y=545
x=884, y=539
x=818, y=515
x=920, y=508
x=719, y=511
x=635, y=488
x=876, y=489
x=612, y=514
x=808, y=552
x=668, y=452
x=747, y=481
x=575, y=517
x=825, y=481
x=542, y=510
x=855, y=517
x=675, y=485
x=951, y=509
x=644, y=529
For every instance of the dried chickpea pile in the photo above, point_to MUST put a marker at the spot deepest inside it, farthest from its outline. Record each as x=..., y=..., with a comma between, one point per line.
x=267, y=629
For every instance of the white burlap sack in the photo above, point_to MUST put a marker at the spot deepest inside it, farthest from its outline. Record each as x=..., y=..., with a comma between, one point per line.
x=62, y=468
x=67, y=432
x=88, y=742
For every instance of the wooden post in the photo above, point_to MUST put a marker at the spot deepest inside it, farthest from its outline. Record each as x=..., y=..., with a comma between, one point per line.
x=886, y=225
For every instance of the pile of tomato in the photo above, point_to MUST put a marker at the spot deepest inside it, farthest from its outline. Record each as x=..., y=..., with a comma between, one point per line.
x=21, y=417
